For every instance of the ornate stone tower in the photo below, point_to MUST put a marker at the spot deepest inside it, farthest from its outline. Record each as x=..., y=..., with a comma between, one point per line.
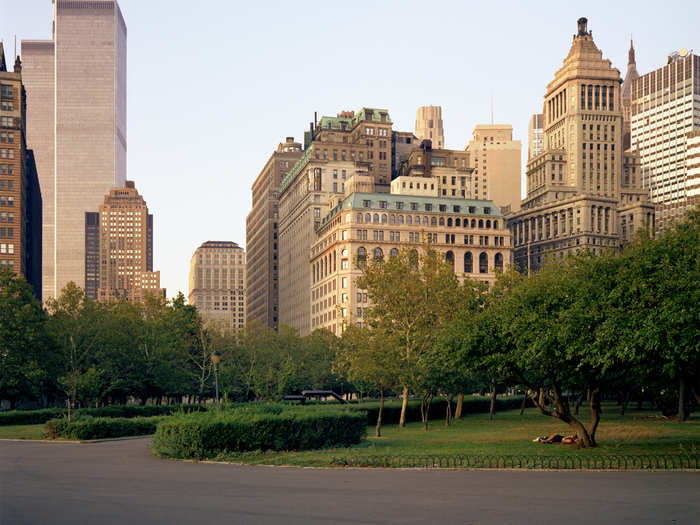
x=631, y=76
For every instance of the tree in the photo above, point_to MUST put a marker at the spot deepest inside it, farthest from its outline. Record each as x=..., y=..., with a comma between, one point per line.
x=22, y=340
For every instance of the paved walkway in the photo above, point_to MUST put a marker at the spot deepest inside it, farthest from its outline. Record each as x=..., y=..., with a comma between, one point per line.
x=120, y=482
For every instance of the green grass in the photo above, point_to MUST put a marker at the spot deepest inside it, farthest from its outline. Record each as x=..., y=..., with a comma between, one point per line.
x=22, y=432
x=508, y=434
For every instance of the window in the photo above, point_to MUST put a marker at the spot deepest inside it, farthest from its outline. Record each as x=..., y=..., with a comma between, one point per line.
x=361, y=257
x=378, y=254
x=483, y=263
x=498, y=262
x=468, y=263
x=450, y=258
x=393, y=252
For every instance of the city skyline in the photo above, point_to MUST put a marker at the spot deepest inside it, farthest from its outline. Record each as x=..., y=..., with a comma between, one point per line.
x=225, y=138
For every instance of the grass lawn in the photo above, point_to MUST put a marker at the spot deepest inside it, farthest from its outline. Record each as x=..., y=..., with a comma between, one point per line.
x=509, y=433
x=22, y=432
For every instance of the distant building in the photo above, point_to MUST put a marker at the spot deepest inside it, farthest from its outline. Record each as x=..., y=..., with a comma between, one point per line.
x=76, y=125
x=363, y=225
x=218, y=284
x=665, y=106
x=535, y=132
x=429, y=125
x=262, y=243
x=583, y=191
x=692, y=167
x=20, y=198
x=119, y=248
x=496, y=159
x=402, y=144
x=630, y=77
x=448, y=170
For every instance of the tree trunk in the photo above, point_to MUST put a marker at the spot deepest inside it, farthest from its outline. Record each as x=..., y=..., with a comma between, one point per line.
x=448, y=412
x=404, y=404
x=378, y=432
x=522, y=405
x=460, y=403
x=681, y=399
x=579, y=400
x=562, y=412
x=492, y=409
x=625, y=401
x=425, y=409
x=595, y=415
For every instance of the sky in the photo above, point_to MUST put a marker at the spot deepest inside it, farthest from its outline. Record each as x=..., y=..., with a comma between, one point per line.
x=215, y=85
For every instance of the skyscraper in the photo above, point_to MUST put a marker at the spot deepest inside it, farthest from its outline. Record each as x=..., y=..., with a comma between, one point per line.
x=630, y=77
x=218, y=283
x=262, y=226
x=76, y=124
x=429, y=125
x=123, y=229
x=20, y=199
x=665, y=109
x=583, y=190
x=496, y=159
x=534, y=135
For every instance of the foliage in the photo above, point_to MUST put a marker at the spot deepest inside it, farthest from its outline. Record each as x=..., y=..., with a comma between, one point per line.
x=257, y=428
x=88, y=427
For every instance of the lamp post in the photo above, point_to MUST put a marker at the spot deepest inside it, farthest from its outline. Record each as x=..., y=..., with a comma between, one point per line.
x=216, y=359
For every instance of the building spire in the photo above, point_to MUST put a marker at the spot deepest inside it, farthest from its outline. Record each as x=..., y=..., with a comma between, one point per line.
x=631, y=60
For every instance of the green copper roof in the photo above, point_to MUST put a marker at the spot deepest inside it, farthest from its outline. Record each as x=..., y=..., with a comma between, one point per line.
x=350, y=122
x=453, y=205
x=295, y=169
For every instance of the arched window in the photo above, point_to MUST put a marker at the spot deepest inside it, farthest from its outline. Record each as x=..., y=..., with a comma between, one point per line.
x=368, y=218
x=498, y=262
x=433, y=221
x=361, y=257
x=449, y=221
x=399, y=219
x=481, y=223
x=375, y=219
x=473, y=223
x=425, y=220
x=392, y=219
x=450, y=258
x=413, y=259
x=442, y=221
x=468, y=263
x=359, y=218
x=483, y=263
x=495, y=225
x=458, y=222
x=378, y=254
x=409, y=219
x=394, y=252
x=384, y=218
x=488, y=223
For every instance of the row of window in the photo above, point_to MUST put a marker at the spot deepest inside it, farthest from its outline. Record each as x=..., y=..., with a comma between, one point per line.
x=7, y=169
x=7, y=201
x=7, y=216
x=7, y=233
x=428, y=206
x=7, y=184
x=6, y=153
x=7, y=137
x=7, y=248
x=9, y=263
x=458, y=222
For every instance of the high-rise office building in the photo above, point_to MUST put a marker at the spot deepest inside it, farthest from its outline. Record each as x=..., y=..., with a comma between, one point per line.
x=534, y=135
x=20, y=198
x=630, y=77
x=496, y=159
x=429, y=125
x=583, y=190
x=218, y=284
x=665, y=106
x=76, y=125
x=119, y=248
x=336, y=149
x=692, y=167
x=262, y=226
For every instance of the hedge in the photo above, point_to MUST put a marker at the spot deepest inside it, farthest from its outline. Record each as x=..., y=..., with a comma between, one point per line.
x=88, y=427
x=392, y=409
x=37, y=417
x=272, y=427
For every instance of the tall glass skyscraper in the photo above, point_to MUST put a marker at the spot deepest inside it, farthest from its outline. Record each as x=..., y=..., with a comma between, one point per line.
x=76, y=124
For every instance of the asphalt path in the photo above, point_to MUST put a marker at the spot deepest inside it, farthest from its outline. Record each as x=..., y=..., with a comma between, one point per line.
x=121, y=482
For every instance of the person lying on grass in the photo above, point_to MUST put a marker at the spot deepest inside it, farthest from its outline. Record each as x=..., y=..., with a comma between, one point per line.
x=557, y=438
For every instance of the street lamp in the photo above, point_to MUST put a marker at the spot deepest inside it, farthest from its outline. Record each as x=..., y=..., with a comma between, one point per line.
x=216, y=359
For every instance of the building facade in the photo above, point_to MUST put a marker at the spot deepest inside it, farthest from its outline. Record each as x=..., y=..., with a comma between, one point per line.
x=429, y=125
x=218, y=284
x=665, y=108
x=692, y=167
x=534, y=135
x=262, y=243
x=471, y=234
x=337, y=149
x=76, y=125
x=123, y=230
x=496, y=159
x=20, y=198
x=583, y=190
x=450, y=170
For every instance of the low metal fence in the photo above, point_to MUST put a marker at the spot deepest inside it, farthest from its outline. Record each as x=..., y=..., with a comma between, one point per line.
x=573, y=462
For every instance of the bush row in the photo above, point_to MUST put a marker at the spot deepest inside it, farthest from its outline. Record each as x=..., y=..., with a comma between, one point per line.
x=272, y=428
x=392, y=409
x=37, y=417
x=88, y=427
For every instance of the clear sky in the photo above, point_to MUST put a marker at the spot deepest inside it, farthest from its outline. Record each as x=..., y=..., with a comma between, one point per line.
x=215, y=85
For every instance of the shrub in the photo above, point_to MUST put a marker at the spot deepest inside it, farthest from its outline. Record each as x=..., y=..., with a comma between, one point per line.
x=271, y=427
x=88, y=427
